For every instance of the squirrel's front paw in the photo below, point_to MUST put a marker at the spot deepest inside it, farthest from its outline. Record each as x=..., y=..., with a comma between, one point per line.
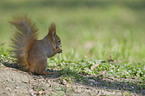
x=59, y=50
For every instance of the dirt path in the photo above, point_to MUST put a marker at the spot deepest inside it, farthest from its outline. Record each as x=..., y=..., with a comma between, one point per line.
x=14, y=82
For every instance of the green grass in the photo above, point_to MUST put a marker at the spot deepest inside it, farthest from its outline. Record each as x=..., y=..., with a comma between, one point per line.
x=4, y=54
x=90, y=31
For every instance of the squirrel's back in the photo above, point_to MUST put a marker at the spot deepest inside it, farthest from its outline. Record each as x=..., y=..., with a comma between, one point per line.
x=24, y=38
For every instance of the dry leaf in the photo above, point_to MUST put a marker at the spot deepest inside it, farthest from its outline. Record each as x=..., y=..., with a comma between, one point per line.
x=64, y=82
x=102, y=61
x=42, y=92
x=110, y=59
x=96, y=65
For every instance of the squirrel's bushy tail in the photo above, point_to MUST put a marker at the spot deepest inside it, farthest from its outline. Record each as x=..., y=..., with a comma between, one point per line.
x=25, y=36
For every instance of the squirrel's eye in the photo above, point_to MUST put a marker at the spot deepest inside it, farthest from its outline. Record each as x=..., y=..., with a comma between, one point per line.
x=58, y=41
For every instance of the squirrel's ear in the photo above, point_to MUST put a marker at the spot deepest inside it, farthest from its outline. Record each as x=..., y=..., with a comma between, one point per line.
x=52, y=31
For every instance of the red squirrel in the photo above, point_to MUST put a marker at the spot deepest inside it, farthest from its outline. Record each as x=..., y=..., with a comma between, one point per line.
x=31, y=54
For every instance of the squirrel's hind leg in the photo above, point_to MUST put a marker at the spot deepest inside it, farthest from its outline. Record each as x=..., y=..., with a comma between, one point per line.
x=41, y=70
x=45, y=73
x=24, y=68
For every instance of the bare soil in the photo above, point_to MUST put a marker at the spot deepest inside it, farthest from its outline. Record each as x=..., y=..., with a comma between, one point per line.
x=15, y=82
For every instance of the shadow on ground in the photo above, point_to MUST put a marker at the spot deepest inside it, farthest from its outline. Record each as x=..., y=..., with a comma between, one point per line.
x=99, y=81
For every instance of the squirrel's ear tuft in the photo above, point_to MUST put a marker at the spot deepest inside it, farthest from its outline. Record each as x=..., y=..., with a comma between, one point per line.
x=52, y=31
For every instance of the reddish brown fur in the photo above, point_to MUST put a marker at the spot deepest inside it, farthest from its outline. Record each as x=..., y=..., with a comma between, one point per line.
x=31, y=53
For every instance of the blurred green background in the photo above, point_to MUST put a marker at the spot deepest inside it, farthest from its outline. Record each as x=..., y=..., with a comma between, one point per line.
x=88, y=29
